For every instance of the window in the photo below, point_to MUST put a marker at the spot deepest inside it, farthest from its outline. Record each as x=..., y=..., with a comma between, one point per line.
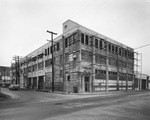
x=29, y=69
x=48, y=51
x=66, y=42
x=104, y=45
x=96, y=43
x=101, y=44
x=125, y=52
x=132, y=54
x=120, y=51
x=82, y=38
x=87, y=40
x=65, y=26
x=58, y=46
x=34, y=67
x=40, y=65
x=116, y=49
x=74, y=37
x=109, y=47
x=70, y=40
x=113, y=48
x=40, y=56
x=90, y=41
x=45, y=52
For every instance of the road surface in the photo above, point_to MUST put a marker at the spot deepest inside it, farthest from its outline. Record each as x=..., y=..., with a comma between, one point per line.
x=32, y=105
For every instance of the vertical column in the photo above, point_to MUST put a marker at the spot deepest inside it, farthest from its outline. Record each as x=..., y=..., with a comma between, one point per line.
x=139, y=81
x=133, y=79
x=44, y=82
x=107, y=73
x=79, y=64
x=31, y=82
x=107, y=65
x=37, y=82
x=146, y=83
x=63, y=62
x=117, y=71
x=127, y=80
x=93, y=65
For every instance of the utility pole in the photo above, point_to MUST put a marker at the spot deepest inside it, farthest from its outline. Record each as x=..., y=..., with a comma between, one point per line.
x=17, y=68
x=52, y=46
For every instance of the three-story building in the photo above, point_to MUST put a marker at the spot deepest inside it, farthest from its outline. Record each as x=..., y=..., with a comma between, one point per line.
x=84, y=61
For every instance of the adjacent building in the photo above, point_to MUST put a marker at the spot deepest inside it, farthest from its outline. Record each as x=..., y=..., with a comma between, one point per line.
x=142, y=82
x=5, y=79
x=84, y=61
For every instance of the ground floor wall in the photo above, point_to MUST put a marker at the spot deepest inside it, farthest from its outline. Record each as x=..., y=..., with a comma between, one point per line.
x=81, y=82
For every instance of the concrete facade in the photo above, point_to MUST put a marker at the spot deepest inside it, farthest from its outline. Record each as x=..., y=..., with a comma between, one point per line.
x=85, y=61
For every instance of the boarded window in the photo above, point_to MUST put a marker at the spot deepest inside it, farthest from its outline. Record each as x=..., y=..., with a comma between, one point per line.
x=48, y=62
x=86, y=56
x=40, y=65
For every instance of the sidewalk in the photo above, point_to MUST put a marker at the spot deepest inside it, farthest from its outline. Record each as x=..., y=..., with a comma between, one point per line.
x=38, y=96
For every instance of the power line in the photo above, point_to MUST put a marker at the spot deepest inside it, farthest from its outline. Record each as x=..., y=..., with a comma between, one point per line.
x=142, y=46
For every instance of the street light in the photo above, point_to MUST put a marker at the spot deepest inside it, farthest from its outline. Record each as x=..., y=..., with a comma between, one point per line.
x=52, y=58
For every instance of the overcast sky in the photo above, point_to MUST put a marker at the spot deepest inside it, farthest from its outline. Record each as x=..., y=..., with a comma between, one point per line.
x=23, y=23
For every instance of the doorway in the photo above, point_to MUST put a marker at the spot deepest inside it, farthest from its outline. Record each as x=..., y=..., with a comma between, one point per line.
x=41, y=82
x=87, y=83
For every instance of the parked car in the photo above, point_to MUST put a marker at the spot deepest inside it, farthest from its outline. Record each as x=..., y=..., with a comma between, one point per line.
x=14, y=87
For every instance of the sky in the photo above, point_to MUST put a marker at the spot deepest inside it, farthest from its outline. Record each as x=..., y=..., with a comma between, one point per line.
x=23, y=23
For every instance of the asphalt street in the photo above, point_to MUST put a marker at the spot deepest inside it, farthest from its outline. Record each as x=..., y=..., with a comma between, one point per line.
x=32, y=105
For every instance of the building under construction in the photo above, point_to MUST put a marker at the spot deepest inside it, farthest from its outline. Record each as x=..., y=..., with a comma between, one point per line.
x=84, y=61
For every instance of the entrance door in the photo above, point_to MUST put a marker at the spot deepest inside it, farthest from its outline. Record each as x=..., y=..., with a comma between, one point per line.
x=87, y=84
x=143, y=84
x=41, y=82
x=34, y=83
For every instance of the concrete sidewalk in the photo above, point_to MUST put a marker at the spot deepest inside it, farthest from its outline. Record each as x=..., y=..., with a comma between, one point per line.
x=58, y=96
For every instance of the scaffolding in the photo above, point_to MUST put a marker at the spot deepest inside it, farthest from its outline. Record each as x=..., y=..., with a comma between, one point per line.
x=137, y=70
